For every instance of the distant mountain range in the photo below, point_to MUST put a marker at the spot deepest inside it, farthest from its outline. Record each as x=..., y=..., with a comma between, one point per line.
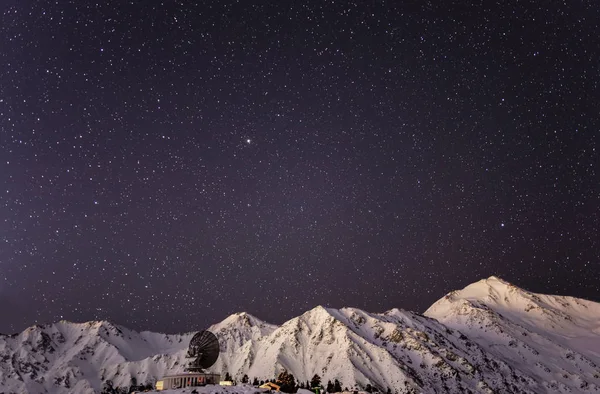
x=490, y=337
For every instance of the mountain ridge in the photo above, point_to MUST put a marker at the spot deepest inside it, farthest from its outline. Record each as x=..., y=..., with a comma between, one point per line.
x=490, y=336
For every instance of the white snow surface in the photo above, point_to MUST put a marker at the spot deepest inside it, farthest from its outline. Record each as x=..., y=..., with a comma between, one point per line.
x=216, y=389
x=489, y=337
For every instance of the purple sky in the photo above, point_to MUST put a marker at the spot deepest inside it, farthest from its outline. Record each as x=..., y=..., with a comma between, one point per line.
x=165, y=165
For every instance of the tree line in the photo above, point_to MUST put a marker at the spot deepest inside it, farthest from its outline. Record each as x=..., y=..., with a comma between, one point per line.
x=285, y=380
x=287, y=383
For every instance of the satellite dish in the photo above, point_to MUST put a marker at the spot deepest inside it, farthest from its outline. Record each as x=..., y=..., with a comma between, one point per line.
x=204, y=349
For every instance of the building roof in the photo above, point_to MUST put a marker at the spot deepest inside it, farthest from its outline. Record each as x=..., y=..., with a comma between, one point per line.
x=191, y=374
x=270, y=385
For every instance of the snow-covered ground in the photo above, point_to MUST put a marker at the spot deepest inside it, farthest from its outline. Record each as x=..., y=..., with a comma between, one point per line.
x=489, y=337
x=213, y=389
x=216, y=389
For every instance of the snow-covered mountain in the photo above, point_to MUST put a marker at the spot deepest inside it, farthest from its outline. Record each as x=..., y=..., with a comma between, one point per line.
x=489, y=337
x=553, y=340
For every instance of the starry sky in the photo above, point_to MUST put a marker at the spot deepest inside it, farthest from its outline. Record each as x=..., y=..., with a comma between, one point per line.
x=166, y=163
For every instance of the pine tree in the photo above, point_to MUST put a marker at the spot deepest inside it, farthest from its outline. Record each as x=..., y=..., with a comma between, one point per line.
x=315, y=381
x=255, y=382
x=228, y=377
x=133, y=386
x=282, y=377
x=245, y=379
x=337, y=386
x=287, y=382
x=330, y=388
x=108, y=387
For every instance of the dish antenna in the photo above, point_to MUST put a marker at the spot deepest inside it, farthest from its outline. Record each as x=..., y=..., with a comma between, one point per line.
x=204, y=350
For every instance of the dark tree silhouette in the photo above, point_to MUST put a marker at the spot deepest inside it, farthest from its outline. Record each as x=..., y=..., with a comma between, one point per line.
x=337, y=386
x=315, y=381
x=287, y=382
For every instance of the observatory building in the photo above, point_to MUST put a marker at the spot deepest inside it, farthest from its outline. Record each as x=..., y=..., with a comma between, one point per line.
x=204, y=351
x=187, y=379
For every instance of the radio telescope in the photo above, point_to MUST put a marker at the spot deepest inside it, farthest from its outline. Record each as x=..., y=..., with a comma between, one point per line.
x=203, y=350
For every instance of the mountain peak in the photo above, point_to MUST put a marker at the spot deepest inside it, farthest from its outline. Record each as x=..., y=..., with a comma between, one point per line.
x=488, y=291
x=492, y=288
x=320, y=309
x=238, y=318
x=496, y=278
x=242, y=326
x=320, y=312
x=493, y=281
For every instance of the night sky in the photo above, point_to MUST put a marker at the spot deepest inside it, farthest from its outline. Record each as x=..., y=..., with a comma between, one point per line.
x=165, y=164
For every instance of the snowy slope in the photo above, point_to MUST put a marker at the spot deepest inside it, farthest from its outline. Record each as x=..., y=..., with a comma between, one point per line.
x=239, y=335
x=489, y=337
x=553, y=339
x=69, y=357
